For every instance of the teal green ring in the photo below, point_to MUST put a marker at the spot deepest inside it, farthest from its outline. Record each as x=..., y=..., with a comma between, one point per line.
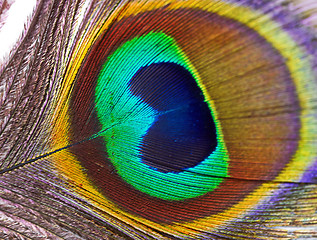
x=127, y=120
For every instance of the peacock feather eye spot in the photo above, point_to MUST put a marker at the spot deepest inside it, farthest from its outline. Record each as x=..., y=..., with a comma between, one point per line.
x=191, y=120
x=183, y=133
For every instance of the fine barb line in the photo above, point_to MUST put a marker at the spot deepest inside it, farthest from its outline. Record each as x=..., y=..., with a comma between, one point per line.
x=159, y=114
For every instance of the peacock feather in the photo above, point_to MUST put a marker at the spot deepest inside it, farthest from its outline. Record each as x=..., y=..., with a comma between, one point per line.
x=159, y=119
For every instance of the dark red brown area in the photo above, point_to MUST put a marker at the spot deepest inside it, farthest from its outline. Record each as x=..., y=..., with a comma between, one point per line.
x=93, y=157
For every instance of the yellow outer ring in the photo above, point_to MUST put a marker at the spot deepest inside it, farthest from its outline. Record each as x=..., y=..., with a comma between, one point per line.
x=297, y=61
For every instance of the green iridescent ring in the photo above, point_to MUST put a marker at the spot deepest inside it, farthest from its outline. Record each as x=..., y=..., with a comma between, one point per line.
x=131, y=118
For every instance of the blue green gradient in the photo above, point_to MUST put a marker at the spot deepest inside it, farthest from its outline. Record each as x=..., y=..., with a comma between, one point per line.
x=127, y=119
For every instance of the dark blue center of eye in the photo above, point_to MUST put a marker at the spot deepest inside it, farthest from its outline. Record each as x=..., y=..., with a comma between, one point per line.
x=184, y=133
